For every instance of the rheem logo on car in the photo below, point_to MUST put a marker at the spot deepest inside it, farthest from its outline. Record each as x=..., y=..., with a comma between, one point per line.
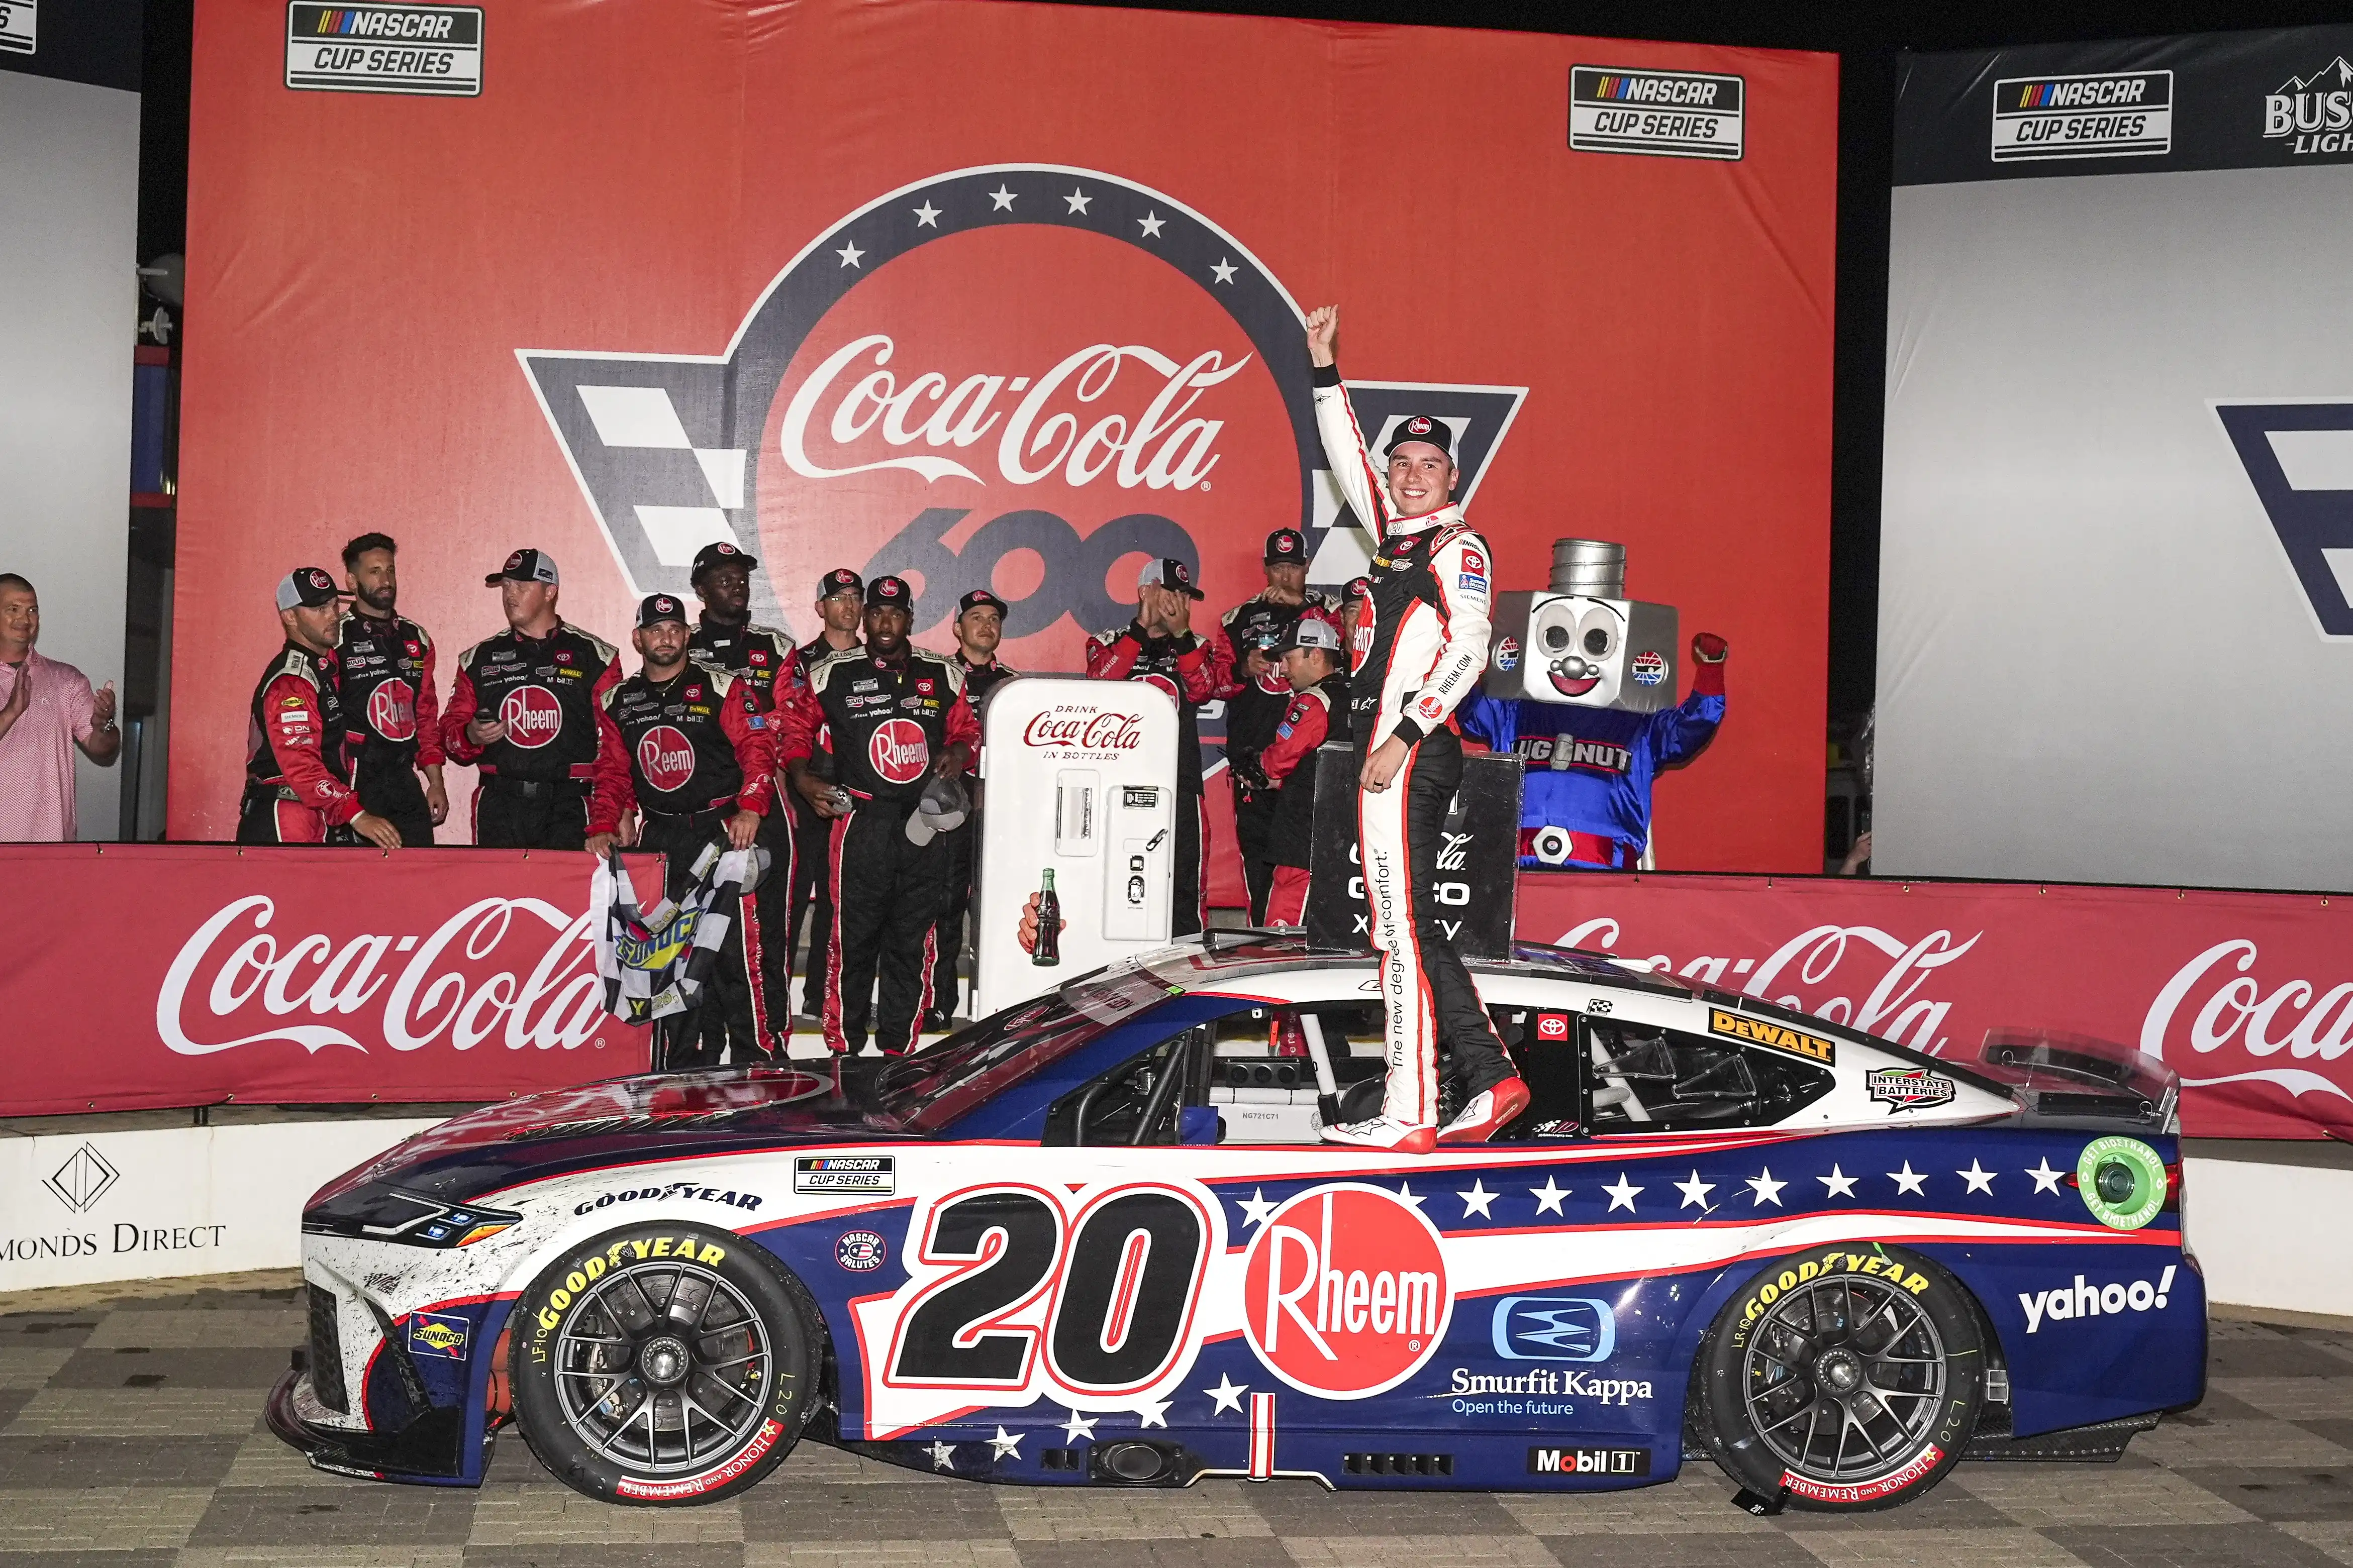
x=1659, y=114
x=532, y=715
x=1344, y=1291
x=2114, y=115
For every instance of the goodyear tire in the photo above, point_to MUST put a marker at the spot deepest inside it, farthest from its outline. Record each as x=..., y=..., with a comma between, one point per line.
x=1849, y=1377
x=664, y=1365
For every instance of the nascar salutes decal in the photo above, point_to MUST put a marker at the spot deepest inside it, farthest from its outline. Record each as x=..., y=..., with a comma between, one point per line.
x=435, y=51
x=2118, y=114
x=1661, y=114
x=1776, y=1035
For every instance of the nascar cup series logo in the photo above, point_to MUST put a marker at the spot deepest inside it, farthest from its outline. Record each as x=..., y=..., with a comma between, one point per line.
x=1344, y=1292
x=532, y=715
x=665, y=758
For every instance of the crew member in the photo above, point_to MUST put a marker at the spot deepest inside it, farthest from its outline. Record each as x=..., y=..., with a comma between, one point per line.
x=391, y=711
x=1160, y=647
x=840, y=614
x=980, y=627
x=1428, y=615
x=1584, y=798
x=1256, y=695
x=898, y=726
x=295, y=791
x=524, y=711
x=1315, y=672
x=685, y=746
x=762, y=659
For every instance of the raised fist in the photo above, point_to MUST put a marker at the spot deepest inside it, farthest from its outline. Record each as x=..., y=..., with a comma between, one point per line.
x=1709, y=648
x=1322, y=331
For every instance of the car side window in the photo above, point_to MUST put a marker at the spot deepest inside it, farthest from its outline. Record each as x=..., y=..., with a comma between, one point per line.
x=1249, y=1077
x=1643, y=1078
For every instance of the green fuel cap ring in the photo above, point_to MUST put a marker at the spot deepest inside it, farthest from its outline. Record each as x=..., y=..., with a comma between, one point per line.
x=2122, y=1181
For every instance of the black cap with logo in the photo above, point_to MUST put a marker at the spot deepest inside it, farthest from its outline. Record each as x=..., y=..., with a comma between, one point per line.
x=892, y=592
x=1168, y=573
x=841, y=580
x=656, y=607
x=976, y=599
x=1421, y=427
x=307, y=586
x=524, y=566
x=1287, y=545
x=718, y=554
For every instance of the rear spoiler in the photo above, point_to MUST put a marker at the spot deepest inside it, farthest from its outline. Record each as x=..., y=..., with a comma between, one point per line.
x=2075, y=1076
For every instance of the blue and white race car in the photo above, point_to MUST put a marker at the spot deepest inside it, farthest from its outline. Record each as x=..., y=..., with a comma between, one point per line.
x=1093, y=1241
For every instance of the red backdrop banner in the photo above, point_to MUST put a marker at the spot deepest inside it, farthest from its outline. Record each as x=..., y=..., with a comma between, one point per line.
x=2249, y=996
x=161, y=975
x=1005, y=295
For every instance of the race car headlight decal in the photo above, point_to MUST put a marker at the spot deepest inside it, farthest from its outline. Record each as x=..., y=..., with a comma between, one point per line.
x=378, y=1211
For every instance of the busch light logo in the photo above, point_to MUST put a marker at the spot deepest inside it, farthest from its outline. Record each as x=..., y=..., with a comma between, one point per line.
x=665, y=758
x=1344, y=1292
x=899, y=752
x=2314, y=114
x=532, y=715
x=392, y=709
x=2299, y=457
x=1555, y=1328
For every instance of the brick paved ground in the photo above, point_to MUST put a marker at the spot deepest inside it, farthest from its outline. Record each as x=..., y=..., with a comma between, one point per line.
x=131, y=1436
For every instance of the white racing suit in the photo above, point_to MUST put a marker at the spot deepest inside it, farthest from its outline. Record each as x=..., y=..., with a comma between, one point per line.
x=1421, y=647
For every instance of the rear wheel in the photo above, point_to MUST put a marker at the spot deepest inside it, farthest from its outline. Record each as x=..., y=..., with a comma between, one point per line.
x=1850, y=1378
x=663, y=1366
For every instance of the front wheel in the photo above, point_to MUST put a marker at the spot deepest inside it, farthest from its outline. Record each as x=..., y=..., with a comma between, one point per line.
x=664, y=1364
x=1849, y=1377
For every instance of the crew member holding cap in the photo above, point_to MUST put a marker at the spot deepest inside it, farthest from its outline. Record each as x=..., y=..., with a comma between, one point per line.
x=524, y=711
x=294, y=788
x=841, y=616
x=980, y=627
x=1257, y=694
x=1160, y=647
x=1315, y=672
x=901, y=734
x=685, y=746
x=764, y=658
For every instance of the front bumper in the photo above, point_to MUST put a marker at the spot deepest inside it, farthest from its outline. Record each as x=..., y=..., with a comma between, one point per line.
x=428, y=1451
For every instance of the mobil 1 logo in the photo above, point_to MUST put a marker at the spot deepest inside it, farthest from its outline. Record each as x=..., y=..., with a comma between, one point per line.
x=2116, y=114
x=433, y=50
x=19, y=27
x=1660, y=114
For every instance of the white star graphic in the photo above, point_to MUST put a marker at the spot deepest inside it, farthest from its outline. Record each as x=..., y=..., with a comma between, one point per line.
x=850, y=255
x=1405, y=1195
x=1079, y=1426
x=1980, y=1179
x=1002, y=198
x=1256, y=1208
x=1908, y=1180
x=1152, y=224
x=1477, y=1199
x=1840, y=1183
x=1078, y=200
x=1005, y=1444
x=927, y=217
x=1695, y=1191
x=1548, y=1196
x=1154, y=1412
x=2046, y=1180
x=1622, y=1195
x=943, y=1455
x=1223, y=271
x=1227, y=1396
x=1766, y=1190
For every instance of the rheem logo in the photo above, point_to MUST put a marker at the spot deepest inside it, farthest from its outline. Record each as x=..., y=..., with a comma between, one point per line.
x=532, y=715
x=665, y=758
x=392, y=709
x=899, y=752
x=1344, y=1292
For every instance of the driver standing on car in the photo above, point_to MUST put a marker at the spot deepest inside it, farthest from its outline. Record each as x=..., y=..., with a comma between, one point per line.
x=1427, y=618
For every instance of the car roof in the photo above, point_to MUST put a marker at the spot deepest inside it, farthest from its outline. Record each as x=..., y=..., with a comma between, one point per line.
x=1223, y=957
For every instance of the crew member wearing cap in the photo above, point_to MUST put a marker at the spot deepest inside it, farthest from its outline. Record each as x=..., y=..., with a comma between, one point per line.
x=764, y=658
x=842, y=616
x=685, y=746
x=524, y=711
x=1257, y=694
x=1160, y=647
x=980, y=627
x=295, y=791
x=902, y=735
x=1427, y=615
x=1315, y=673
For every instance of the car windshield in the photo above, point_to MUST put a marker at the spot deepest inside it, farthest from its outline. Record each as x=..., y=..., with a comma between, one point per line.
x=924, y=1093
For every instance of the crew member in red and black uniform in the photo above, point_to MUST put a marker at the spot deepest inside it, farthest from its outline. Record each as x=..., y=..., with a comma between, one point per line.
x=391, y=711
x=1258, y=630
x=898, y=726
x=1160, y=647
x=841, y=618
x=1315, y=673
x=685, y=746
x=762, y=659
x=294, y=786
x=524, y=711
x=980, y=627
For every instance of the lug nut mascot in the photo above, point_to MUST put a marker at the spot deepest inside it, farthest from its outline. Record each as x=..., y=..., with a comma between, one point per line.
x=1427, y=613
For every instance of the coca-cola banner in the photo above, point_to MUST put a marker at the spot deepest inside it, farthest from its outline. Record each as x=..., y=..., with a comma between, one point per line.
x=1005, y=296
x=2248, y=996
x=156, y=976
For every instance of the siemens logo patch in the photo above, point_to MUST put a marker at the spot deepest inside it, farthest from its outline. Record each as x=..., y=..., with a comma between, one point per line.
x=432, y=51
x=1659, y=114
x=2121, y=114
x=846, y=1173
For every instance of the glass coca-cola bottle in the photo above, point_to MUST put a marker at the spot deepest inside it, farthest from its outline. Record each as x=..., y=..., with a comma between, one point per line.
x=1049, y=924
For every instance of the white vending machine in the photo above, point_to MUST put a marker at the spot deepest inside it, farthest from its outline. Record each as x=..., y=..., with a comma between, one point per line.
x=1079, y=778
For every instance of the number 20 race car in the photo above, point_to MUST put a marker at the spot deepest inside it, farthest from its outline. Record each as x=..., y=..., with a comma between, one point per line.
x=1093, y=1241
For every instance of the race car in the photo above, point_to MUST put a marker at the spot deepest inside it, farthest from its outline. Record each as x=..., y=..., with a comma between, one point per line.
x=1093, y=1241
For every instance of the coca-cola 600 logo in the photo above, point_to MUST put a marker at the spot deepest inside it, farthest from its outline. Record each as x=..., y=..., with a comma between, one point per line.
x=1026, y=378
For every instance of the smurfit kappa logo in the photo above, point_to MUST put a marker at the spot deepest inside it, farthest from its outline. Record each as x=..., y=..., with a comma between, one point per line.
x=2299, y=459
x=82, y=1180
x=672, y=452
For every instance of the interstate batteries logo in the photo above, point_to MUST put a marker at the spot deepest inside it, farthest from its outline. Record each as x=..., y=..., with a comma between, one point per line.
x=1661, y=114
x=2118, y=114
x=432, y=51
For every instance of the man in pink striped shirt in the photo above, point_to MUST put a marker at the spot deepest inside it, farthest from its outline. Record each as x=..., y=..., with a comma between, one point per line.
x=46, y=709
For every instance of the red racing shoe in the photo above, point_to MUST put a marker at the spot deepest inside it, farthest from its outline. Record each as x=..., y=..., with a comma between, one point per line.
x=1489, y=1111
x=1384, y=1132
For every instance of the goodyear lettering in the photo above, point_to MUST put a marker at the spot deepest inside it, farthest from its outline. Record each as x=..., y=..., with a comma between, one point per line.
x=1835, y=1261
x=1774, y=1036
x=685, y=1191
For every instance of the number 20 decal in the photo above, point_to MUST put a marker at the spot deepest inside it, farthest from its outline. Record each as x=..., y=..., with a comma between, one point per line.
x=1126, y=1277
